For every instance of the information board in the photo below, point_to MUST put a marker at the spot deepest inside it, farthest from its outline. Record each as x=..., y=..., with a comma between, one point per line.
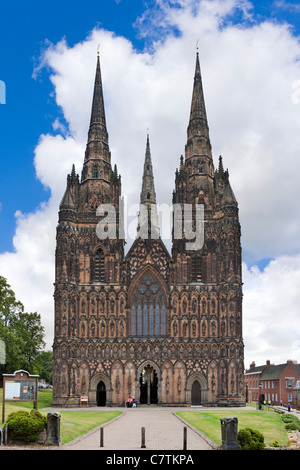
x=20, y=390
x=20, y=386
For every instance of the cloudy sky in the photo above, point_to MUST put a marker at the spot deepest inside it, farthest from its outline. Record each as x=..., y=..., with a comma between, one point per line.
x=249, y=53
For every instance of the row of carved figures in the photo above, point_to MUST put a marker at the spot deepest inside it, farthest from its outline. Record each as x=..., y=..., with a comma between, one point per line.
x=137, y=351
x=179, y=328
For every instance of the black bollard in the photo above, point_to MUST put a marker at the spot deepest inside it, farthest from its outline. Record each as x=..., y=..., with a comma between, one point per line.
x=185, y=438
x=143, y=446
x=101, y=437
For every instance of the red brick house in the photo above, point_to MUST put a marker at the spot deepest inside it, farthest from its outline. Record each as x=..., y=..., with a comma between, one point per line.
x=272, y=383
x=252, y=381
x=296, y=395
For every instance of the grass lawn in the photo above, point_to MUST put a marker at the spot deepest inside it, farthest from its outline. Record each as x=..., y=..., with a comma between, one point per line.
x=268, y=423
x=76, y=423
x=73, y=423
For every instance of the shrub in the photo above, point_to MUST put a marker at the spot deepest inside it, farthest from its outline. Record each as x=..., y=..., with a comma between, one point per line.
x=251, y=439
x=292, y=426
x=275, y=444
x=289, y=418
x=26, y=426
x=244, y=438
x=37, y=415
x=292, y=422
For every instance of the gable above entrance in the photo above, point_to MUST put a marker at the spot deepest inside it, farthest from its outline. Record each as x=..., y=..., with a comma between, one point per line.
x=152, y=253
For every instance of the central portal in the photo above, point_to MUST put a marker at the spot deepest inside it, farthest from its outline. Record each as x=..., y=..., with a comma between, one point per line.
x=148, y=386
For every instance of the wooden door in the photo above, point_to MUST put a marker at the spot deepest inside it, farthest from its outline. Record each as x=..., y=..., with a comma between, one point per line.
x=196, y=393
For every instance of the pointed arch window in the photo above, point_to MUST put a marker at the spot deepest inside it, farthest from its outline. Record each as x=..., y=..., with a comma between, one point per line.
x=95, y=171
x=99, y=266
x=148, y=309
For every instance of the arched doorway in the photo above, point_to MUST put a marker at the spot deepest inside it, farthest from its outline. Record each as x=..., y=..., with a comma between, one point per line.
x=101, y=394
x=196, y=393
x=148, y=386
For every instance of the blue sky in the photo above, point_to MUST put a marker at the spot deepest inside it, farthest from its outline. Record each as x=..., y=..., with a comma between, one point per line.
x=250, y=61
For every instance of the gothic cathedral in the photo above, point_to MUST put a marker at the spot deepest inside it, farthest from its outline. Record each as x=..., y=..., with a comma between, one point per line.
x=163, y=328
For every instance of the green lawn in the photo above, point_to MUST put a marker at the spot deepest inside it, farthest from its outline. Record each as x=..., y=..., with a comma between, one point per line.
x=268, y=423
x=76, y=423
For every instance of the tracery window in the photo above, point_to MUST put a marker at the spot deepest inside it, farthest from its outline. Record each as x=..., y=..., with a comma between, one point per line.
x=148, y=309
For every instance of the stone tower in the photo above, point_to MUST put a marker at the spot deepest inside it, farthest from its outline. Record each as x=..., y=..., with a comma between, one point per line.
x=164, y=328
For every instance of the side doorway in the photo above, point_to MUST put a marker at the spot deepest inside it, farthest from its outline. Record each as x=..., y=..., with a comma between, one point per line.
x=101, y=394
x=196, y=393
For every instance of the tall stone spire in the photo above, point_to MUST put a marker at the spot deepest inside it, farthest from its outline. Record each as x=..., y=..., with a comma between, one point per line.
x=96, y=177
x=148, y=195
x=148, y=217
x=97, y=148
x=98, y=111
x=198, y=141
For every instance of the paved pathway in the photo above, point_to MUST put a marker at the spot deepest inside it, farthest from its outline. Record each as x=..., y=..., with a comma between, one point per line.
x=163, y=431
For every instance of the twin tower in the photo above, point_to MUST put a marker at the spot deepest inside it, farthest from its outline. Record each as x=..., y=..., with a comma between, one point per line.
x=163, y=328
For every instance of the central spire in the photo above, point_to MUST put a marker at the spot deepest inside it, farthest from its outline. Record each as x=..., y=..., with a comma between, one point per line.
x=148, y=218
x=148, y=195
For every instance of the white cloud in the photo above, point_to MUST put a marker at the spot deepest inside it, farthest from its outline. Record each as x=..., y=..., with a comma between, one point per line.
x=271, y=303
x=289, y=6
x=54, y=157
x=248, y=76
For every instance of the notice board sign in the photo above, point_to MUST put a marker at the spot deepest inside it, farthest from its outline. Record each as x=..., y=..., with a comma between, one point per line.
x=22, y=390
x=84, y=400
x=20, y=386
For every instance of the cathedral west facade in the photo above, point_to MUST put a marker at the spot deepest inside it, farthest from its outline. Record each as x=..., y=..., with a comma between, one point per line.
x=163, y=327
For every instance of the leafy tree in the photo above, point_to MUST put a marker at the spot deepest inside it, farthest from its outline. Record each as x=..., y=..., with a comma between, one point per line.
x=9, y=306
x=31, y=332
x=21, y=332
x=46, y=366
